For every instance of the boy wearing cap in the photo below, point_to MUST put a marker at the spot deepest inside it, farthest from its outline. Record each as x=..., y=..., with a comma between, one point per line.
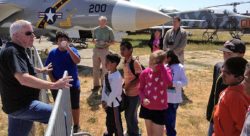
x=229, y=113
x=232, y=48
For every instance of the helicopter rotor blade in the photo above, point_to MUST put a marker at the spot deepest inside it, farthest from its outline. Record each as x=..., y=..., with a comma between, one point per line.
x=229, y=4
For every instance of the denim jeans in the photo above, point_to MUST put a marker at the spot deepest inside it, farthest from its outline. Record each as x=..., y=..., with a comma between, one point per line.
x=171, y=119
x=131, y=115
x=21, y=121
x=210, y=129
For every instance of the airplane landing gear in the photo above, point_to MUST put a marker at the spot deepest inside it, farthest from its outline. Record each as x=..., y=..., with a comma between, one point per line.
x=210, y=36
x=81, y=41
x=236, y=34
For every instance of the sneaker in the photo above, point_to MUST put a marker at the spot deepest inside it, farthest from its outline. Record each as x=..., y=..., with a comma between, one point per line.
x=76, y=128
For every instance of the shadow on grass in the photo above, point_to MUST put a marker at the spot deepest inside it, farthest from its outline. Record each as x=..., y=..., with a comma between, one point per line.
x=94, y=100
x=186, y=100
x=198, y=64
x=84, y=70
x=201, y=42
x=141, y=42
x=144, y=43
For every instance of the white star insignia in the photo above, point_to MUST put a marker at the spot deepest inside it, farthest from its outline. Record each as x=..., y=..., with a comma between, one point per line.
x=50, y=16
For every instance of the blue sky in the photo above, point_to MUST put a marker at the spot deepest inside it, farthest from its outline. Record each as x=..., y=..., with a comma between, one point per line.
x=183, y=5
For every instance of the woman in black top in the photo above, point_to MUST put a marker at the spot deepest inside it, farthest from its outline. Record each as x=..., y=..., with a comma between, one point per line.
x=156, y=41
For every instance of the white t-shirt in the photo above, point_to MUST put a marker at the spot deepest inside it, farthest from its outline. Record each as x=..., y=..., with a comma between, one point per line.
x=179, y=81
x=115, y=81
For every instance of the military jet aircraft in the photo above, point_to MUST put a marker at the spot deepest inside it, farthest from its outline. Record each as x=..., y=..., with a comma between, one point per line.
x=77, y=15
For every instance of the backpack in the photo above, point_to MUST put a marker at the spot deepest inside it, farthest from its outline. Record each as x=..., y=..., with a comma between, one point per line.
x=123, y=104
x=132, y=68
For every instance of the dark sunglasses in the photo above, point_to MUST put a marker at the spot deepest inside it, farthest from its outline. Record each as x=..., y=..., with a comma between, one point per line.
x=29, y=33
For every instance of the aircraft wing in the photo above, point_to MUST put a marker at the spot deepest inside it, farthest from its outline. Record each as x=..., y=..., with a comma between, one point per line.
x=7, y=10
x=186, y=23
x=165, y=27
x=192, y=20
x=161, y=27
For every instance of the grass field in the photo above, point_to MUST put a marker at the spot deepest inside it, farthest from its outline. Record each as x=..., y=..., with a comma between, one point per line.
x=199, y=60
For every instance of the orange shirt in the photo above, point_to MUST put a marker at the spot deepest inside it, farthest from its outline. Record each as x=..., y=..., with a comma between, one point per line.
x=229, y=113
x=132, y=90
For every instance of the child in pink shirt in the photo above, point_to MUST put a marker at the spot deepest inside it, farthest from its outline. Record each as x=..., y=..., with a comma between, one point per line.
x=154, y=82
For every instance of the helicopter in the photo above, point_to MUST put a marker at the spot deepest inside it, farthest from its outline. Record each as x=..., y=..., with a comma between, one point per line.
x=213, y=19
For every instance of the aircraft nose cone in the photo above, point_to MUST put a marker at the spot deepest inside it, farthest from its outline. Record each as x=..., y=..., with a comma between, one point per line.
x=128, y=16
x=148, y=18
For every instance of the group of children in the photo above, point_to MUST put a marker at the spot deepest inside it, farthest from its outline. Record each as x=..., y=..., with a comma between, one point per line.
x=229, y=113
x=158, y=89
x=229, y=100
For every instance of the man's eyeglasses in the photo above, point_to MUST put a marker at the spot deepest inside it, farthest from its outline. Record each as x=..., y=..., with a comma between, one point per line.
x=29, y=33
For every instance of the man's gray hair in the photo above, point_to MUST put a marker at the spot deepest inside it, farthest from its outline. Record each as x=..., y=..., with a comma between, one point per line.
x=102, y=18
x=17, y=26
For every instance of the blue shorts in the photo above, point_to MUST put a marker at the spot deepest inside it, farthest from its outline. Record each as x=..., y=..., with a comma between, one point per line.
x=74, y=97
